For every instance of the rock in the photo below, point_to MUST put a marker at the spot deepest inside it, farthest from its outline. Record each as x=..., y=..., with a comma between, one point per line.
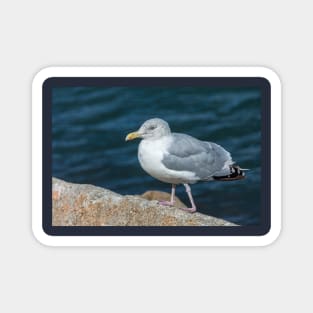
x=162, y=196
x=87, y=205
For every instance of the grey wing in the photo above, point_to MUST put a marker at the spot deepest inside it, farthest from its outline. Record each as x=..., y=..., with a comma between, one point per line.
x=205, y=159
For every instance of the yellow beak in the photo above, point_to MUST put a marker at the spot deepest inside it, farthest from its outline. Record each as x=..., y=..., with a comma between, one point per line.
x=132, y=136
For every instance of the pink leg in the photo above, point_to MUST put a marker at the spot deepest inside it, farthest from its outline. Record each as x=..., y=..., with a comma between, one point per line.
x=170, y=203
x=193, y=206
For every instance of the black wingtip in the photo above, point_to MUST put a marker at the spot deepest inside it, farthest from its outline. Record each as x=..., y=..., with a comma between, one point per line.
x=236, y=173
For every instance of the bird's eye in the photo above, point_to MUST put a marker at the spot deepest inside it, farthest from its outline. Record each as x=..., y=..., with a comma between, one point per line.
x=152, y=127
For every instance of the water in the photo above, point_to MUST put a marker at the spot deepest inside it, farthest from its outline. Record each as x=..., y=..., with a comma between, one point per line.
x=89, y=126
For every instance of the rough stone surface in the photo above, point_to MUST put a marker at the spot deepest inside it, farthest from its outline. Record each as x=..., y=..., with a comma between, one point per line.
x=87, y=205
x=162, y=196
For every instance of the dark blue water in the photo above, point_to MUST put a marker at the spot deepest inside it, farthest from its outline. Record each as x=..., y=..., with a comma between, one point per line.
x=90, y=125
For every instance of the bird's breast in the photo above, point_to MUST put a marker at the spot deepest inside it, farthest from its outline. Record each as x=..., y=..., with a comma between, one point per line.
x=151, y=154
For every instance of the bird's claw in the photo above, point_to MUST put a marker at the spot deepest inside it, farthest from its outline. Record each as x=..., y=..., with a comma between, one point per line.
x=167, y=203
x=190, y=210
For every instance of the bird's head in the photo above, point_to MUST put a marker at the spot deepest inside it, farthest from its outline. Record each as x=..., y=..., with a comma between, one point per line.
x=151, y=129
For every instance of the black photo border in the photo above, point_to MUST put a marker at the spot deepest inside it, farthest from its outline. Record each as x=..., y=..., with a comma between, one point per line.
x=250, y=230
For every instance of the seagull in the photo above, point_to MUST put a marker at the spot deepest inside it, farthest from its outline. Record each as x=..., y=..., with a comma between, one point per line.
x=177, y=158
